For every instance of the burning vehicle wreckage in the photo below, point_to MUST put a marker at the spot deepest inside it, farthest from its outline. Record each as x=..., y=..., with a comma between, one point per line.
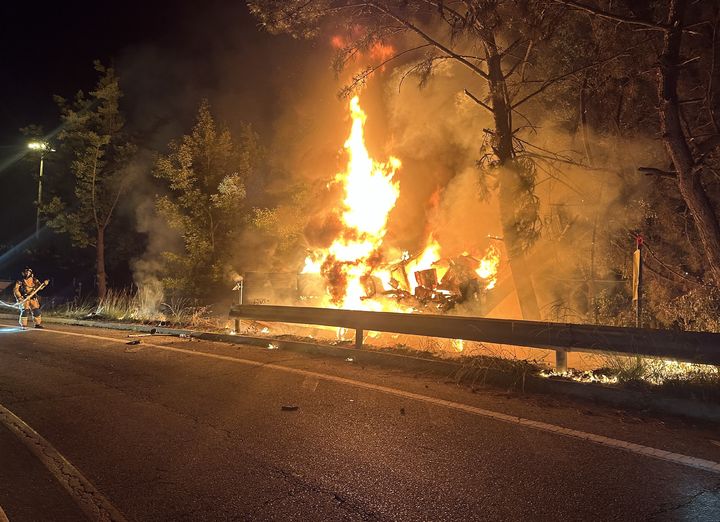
x=401, y=286
x=460, y=283
x=355, y=272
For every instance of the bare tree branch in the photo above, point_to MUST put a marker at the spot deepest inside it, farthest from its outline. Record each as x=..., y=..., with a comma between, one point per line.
x=553, y=81
x=478, y=101
x=652, y=171
x=370, y=70
x=385, y=10
x=120, y=190
x=522, y=62
x=595, y=11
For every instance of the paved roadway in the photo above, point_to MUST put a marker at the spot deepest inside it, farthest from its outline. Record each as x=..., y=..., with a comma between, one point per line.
x=176, y=429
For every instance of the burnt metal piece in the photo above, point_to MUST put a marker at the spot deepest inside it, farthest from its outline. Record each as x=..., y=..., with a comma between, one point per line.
x=423, y=294
x=427, y=278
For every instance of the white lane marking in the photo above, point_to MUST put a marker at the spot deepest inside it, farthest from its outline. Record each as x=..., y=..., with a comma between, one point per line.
x=95, y=506
x=639, y=449
x=3, y=516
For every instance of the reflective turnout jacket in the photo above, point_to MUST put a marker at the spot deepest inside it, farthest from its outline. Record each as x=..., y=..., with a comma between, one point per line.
x=25, y=287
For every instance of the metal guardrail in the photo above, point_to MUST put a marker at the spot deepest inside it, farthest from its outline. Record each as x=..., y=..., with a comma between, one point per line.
x=694, y=347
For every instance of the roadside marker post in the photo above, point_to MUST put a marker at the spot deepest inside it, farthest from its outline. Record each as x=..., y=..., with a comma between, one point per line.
x=637, y=281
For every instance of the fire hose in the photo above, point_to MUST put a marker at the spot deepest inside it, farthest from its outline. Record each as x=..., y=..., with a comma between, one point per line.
x=21, y=304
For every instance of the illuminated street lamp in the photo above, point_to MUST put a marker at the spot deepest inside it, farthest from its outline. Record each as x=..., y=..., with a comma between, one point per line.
x=43, y=147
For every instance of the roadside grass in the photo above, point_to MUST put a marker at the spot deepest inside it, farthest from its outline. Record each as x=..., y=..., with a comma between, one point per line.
x=666, y=377
x=127, y=306
x=679, y=379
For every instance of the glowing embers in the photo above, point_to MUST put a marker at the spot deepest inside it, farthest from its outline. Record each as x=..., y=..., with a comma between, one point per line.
x=458, y=344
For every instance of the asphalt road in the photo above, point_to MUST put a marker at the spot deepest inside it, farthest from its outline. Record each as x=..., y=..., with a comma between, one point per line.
x=176, y=429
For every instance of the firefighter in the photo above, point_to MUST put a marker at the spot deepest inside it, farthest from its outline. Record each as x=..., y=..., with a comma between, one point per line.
x=25, y=291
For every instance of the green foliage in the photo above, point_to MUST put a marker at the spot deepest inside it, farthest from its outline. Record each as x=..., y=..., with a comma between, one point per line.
x=93, y=135
x=299, y=18
x=696, y=310
x=94, y=145
x=286, y=222
x=615, y=307
x=679, y=379
x=206, y=173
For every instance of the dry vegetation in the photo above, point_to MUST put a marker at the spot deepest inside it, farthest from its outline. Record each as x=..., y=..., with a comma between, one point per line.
x=126, y=306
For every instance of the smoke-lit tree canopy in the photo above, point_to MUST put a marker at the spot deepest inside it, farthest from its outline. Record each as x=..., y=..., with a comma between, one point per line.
x=206, y=172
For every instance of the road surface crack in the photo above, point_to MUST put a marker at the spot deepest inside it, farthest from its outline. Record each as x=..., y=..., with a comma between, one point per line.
x=688, y=501
x=343, y=502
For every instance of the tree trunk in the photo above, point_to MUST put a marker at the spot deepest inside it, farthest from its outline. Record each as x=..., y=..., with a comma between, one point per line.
x=689, y=172
x=100, y=259
x=509, y=183
x=508, y=191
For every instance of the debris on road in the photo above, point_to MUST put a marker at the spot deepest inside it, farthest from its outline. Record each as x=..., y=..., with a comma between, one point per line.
x=131, y=343
x=272, y=346
x=153, y=333
x=289, y=407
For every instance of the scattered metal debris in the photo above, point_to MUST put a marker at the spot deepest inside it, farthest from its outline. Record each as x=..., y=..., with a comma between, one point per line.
x=289, y=407
x=153, y=333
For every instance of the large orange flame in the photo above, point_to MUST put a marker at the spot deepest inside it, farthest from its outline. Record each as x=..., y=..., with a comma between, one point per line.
x=488, y=268
x=354, y=266
x=370, y=193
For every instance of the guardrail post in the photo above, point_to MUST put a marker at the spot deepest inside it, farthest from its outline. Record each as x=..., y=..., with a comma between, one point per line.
x=358, y=338
x=560, y=361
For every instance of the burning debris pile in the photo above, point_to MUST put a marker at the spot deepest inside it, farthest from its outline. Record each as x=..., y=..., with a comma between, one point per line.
x=361, y=272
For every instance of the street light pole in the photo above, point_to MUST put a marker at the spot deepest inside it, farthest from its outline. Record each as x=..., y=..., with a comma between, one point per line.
x=43, y=147
x=39, y=197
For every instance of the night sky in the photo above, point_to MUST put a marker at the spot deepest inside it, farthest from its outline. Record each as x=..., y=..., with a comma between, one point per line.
x=168, y=54
x=50, y=50
x=166, y=49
